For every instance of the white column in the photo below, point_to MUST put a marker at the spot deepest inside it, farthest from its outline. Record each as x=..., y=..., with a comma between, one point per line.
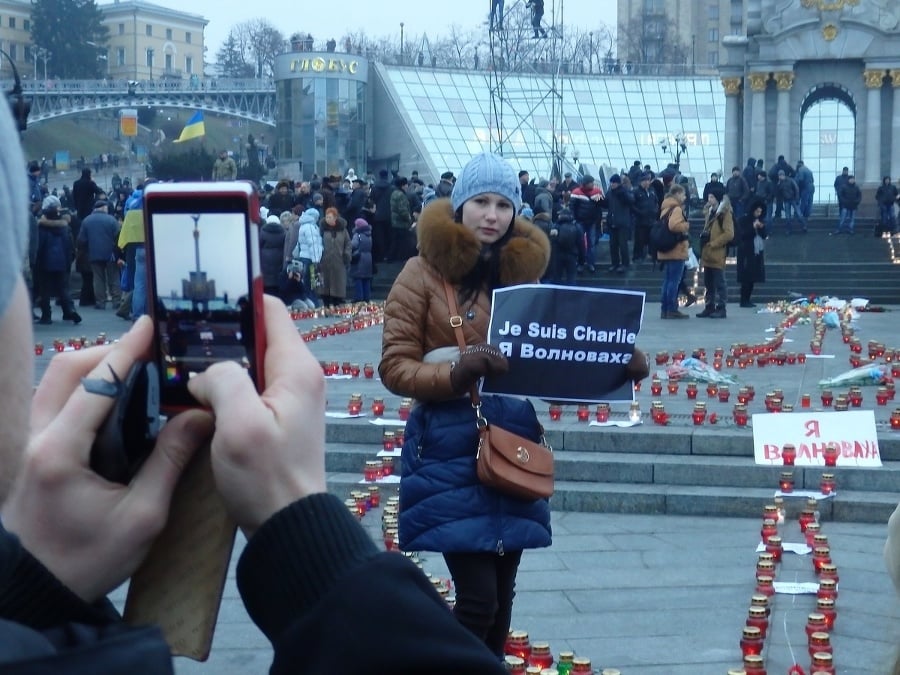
x=732, y=148
x=757, y=147
x=895, y=127
x=784, y=81
x=872, y=168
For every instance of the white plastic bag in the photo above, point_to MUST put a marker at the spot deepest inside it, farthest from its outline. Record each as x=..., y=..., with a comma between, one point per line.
x=691, y=263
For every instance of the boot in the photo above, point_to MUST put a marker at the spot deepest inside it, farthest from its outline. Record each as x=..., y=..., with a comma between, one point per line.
x=719, y=312
x=72, y=316
x=691, y=299
x=707, y=311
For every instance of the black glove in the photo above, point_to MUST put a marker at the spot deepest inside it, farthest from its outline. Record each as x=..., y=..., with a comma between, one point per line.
x=476, y=362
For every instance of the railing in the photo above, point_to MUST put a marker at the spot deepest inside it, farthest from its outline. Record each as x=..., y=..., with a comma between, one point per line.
x=145, y=86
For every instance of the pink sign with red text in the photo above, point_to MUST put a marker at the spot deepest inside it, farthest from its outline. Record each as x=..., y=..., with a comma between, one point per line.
x=852, y=432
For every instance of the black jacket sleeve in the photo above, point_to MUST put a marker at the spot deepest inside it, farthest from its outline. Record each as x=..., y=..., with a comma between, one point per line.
x=310, y=578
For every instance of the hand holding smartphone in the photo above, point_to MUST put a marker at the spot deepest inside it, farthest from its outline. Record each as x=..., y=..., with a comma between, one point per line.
x=204, y=282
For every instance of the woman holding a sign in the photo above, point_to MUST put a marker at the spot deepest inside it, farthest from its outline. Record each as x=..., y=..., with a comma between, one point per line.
x=473, y=241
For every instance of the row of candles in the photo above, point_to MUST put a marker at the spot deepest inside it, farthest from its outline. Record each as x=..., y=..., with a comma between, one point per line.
x=76, y=343
x=821, y=622
x=351, y=310
x=354, y=317
x=523, y=657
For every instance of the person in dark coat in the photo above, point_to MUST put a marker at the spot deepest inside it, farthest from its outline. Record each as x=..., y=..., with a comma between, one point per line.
x=84, y=193
x=849, y=197
x=618, y=221
x=717, y=187
x=566, y=245
x=886, y=198
x=271, y=253
x=381, y=226
x=357, y=201
x=645, y=211
x=56, y=251
x=98, y=235
x=362, y=264
x=281, y=200
x=335, y=258
x=751, y=257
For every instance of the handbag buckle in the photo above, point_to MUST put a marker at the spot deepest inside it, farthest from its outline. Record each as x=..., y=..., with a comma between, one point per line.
x=522, y=455
x=456, y=321
x=480, y=421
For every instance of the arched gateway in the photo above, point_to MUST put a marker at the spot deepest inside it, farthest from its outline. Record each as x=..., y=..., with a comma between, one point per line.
x=798, y=55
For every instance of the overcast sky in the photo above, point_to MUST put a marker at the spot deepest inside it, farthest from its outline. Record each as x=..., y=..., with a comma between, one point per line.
x=376, y=17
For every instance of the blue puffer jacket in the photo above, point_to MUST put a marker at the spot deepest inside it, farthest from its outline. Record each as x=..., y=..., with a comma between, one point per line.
x=443, y=505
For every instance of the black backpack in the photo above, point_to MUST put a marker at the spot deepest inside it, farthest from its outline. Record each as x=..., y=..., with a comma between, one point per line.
x=567, y=237
x=662, y=239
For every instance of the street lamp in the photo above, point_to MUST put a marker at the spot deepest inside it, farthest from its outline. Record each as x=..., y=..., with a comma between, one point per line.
x=100, y=56
x=591, y=53
x=40, y=53
x=402, y=60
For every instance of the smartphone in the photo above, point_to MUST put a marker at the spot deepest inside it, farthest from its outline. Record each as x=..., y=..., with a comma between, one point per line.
x=204, y=285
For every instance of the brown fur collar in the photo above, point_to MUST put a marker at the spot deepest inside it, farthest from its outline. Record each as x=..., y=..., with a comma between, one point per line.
x=453, y=250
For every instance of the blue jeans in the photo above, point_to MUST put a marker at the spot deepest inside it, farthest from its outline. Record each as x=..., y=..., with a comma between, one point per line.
x=806, y=199
x=791, y=212
x=139, y=296
x=566, y=265
x=848, y=218
x=590, y=240
x=887, y=217
x=672, y=271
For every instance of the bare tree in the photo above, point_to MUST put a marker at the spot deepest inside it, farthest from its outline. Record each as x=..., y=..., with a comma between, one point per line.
x=258, y=42
x=646, y=45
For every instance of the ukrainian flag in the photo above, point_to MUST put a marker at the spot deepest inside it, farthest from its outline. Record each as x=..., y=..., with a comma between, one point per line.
x=193, y=129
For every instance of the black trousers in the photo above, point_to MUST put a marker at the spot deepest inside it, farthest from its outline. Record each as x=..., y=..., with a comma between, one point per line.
x=618, y=246
x=746, y=291
x=485, y=587
x=716, y=289
x=53, y=285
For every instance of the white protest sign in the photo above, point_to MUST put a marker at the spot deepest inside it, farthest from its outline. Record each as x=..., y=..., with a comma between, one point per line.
x=852, y=431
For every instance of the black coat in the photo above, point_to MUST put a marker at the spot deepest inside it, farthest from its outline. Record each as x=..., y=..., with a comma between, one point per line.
x=271, y=253
x=619, y=202
x=381, y=196
x=646, y=206
x=751, y=267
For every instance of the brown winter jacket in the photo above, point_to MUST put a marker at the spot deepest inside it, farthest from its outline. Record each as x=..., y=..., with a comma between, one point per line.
x=720, y=226
x=416, y=314
x=677, y=223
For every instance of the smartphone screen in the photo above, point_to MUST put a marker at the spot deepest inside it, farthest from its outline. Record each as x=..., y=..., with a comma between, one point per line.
x=204, y=284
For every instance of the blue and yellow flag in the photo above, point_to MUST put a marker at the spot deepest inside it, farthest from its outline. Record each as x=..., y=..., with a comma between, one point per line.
x=193, y=129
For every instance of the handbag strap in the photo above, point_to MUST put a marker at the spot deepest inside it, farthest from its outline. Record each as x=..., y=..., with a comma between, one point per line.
x=456, y=322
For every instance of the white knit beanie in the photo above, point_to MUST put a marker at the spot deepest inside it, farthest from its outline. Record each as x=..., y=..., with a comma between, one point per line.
x=13, y=208
x=487, y=173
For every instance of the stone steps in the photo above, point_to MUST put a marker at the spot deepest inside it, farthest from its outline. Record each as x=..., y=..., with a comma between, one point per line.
x=699, y=473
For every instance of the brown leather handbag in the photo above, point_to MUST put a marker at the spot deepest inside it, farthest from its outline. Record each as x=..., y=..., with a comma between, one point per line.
x=505, y=461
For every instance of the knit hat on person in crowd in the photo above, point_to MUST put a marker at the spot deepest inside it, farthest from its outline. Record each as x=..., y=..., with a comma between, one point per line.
x=273, y=220
x=50, y=203
x=487, y=173
x=587, y=178
x=310, y=216
x=565, y=216
x=527, y=213
x=360, y=224
x=615, y=178
x=13, y=210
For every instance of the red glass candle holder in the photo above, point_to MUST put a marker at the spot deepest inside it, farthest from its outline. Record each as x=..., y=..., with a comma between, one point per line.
x=672, y=387
x=827, y=589
x=368, y=371
x=555, y=412
x=831, y=454
x=765, y=568
x=827, y=484
x=540, y=655
x=756, y=617
x=345, y=368
x=822, y=664
x=805, y=401
x=764, y=586
x=691, y=390
x=801, y=358
x=581, y=666
x=724, y=393
x=806, y=518
x=378, y=407
x=769, y=529
x=637, y=385
x=821, y=555
x=371, y=470
x=582, y=413
x=655, y=387
x=374, y=495
x=881, y=396
x=698, y=416
x=820, y=642
x=774, y=546
x=786, y=482
x=387, y=441
x=518, y=644
x=855, y=396
x=751, y=641
x=602, y=412
x=38, y=348
x=788, y=454
x=827, y=398
x=354, y=405
x=354, y=370
x=761, y=600
x=753, y=665
x=712, y=390
x=730, y=361
x=891, y=389
x=815, y=623
x=678, y=355
x=829, y=571
x=662, y=358
x=895, y=419
x=405, y=409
